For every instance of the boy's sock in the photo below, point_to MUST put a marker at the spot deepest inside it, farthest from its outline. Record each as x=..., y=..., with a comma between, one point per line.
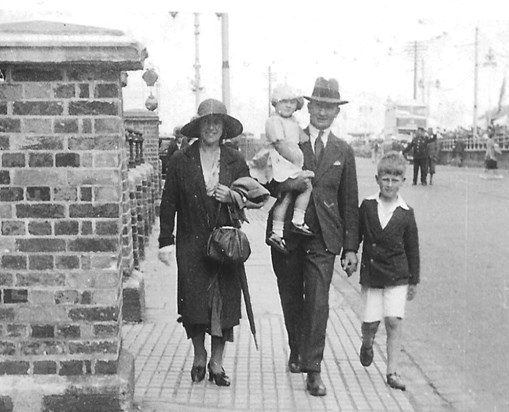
x=298, y=217
x=277, y=227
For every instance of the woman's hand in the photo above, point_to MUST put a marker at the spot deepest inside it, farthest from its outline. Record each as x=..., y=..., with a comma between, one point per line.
x=165, y=255
x=222, y=194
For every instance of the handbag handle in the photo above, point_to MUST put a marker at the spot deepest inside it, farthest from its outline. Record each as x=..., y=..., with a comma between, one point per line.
x=219, y=211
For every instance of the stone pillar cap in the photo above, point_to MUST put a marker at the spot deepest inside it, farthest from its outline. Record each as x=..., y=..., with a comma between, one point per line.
x=54, y=42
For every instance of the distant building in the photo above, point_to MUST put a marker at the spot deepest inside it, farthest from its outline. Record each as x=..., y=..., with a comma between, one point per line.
x=402, y=119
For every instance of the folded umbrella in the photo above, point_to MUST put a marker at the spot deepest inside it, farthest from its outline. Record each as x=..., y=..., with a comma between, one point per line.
x=247, y=301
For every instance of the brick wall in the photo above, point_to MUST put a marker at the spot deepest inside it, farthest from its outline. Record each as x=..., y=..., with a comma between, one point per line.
x=63, y=203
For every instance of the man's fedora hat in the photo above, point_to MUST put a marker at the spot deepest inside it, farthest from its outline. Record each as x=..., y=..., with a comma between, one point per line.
x=232, y=127
x=326, y=91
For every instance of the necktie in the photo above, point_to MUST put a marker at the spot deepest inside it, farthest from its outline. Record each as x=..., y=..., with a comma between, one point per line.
x=319, y=146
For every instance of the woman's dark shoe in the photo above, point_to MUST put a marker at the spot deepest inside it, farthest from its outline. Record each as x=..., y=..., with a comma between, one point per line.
x=366, y=355
x=277, y=242
x=220, y=379
x=301, y=229
x=395, y=381
x=294, y=364
x=197, y=373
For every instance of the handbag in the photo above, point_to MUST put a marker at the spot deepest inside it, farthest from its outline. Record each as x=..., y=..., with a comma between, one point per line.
x=227, y=244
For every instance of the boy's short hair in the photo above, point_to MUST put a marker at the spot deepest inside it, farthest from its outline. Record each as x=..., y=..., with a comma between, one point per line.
x=392, y=163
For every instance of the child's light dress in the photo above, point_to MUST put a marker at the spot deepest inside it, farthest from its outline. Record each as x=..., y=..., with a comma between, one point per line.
x=268, y=164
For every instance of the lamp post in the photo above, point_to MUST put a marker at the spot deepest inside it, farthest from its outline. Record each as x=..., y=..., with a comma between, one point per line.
x=226, y=63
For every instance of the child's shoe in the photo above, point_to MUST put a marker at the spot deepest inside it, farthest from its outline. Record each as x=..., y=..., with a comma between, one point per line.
x=395, y=381
x=366, y=355
x=301, y=229
x=277, y=242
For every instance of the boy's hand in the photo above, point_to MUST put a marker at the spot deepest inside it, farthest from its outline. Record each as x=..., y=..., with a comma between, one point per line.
x=349, y=263
x=412, y=291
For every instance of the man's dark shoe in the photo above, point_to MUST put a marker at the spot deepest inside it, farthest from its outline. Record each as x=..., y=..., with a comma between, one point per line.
x=294, y=364
x=395, y=381
x=366, y=355
x=314, y=384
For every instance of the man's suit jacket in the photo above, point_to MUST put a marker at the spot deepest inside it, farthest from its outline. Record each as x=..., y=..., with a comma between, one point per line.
x=334, y=204
x=333, y=208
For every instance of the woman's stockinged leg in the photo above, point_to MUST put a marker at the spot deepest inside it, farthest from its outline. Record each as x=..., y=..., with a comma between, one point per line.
x=216, y=358
x=393, y=326
x=200, y=353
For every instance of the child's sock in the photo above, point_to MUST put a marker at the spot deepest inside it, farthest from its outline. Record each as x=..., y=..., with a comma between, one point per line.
x=277, y=227
x=298, y=217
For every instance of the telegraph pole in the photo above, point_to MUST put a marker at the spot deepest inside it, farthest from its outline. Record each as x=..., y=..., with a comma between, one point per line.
x=476, y=79
x=197, y=82
x=270, y=89
x=415, y=70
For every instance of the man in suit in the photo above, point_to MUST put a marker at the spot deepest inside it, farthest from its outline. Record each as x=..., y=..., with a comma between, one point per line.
x=304, y=273
x=177, y=143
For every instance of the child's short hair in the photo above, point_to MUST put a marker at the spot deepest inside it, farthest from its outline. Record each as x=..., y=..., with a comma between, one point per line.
x=392, y=163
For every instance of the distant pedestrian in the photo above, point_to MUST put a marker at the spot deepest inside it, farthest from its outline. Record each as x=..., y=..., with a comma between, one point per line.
x=283, y=160
x=389, y=270
x=419, y=144
x=178, y=142
x=491, y=158
x=376, y=150
x=433, y=152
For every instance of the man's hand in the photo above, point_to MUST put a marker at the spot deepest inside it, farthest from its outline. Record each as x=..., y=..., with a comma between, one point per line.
x=412, y=291
x=165, y=255
x=349, y=263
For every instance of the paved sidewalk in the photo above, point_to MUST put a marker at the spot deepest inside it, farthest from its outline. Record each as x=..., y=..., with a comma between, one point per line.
x=260, y=381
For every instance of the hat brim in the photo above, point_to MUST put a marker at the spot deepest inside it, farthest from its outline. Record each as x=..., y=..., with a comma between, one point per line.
x=231, y=128
x=326, y=100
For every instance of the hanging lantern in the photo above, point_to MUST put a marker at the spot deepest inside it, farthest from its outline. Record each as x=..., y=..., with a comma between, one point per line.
x=150, y=77
x=151, y=103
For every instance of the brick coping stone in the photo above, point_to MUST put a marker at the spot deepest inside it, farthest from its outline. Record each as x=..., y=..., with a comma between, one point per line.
x=37, y=393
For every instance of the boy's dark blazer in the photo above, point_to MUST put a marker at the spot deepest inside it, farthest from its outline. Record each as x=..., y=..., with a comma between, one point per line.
x=390, y=256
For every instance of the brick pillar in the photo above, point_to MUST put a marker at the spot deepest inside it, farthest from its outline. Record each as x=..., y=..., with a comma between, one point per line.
x=64, y=202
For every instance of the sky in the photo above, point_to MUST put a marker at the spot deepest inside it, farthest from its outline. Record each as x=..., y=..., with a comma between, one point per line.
x=368, y=46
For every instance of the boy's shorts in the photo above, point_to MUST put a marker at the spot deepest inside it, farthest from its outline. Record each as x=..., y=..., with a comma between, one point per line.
x=379, y=303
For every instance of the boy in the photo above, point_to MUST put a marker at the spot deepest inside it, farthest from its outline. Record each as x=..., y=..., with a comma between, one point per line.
x=390, y=262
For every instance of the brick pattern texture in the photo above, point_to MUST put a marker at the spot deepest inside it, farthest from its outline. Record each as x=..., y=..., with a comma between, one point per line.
x=64, y=217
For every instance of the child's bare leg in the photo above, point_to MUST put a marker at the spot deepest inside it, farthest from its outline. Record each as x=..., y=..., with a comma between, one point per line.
x=301, y=204
x=393, y=326
x=368, y=336
x=279, y=212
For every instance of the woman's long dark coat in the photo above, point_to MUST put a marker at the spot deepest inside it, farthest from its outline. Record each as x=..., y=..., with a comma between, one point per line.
x=185, y=194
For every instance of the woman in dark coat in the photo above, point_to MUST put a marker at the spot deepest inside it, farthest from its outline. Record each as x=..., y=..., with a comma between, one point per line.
x=200, y=176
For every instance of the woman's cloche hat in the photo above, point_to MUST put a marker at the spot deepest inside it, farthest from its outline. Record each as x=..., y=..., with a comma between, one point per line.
x=232, y=127
x=326, y=91
x=286, y=92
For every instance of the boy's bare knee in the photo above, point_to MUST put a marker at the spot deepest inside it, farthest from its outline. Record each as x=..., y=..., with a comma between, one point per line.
x=392, y=322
